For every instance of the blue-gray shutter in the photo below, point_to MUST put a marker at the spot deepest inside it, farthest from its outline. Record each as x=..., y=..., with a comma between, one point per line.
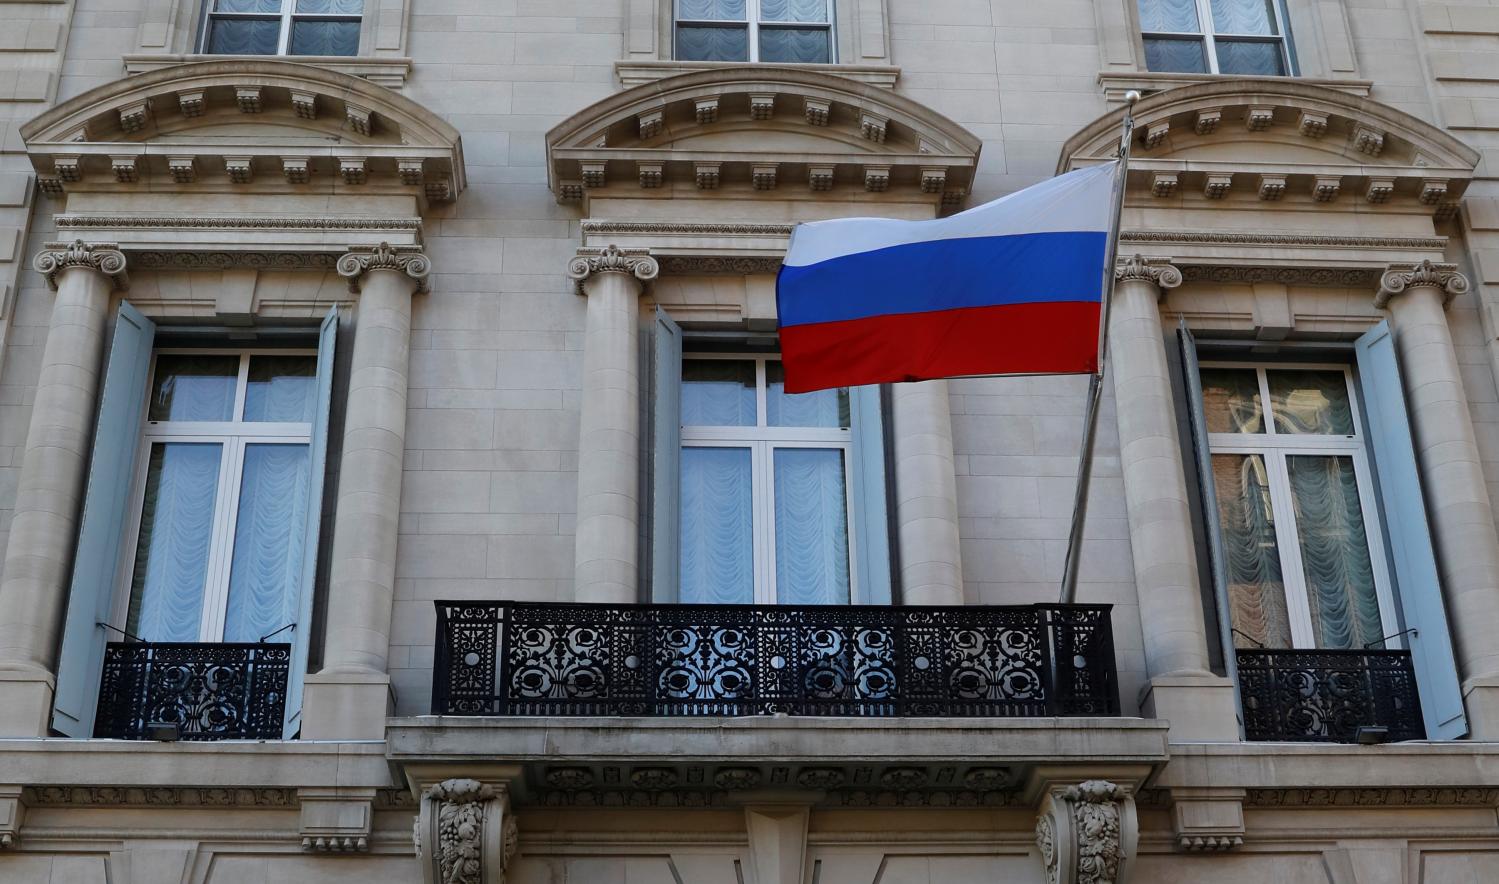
x=1208, y=496
x=102, y=530
x=871, y=522
x=1408, y=535
x=318, y=462
x=666, y=456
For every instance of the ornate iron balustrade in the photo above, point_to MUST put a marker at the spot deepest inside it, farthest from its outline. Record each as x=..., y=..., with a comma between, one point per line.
x=522, y=658
x=1327, y=695
x=209, y=691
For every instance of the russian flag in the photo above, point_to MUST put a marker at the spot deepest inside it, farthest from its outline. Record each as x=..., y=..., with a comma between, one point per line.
x=1010, y=287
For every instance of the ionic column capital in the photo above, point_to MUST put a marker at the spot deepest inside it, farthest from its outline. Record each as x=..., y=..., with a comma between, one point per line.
x=613, y=259
x=1159, y=272
x=101, y=257
x=1399, y=277
x=361, y=260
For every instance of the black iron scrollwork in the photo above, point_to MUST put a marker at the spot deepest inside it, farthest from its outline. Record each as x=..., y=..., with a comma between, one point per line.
x=526, y=658
x=208, y=691
x=1327, y=695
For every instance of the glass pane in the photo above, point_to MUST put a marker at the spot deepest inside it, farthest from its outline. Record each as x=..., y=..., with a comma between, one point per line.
x=325, y=38
x=271, y=6
x=1243, y=17
x=712, y=44
x=718, y=547
x=794, y=10
x=1250, y=58
x=1169, y=15
x=1307, y=401
x=281, y=388
x=1334, y=552
x=228, y=36
x=194, y=388
x=824, y=408
x=711, y=10
x=1231, y=400
x=171, y=553
x=1175, y=56
x=718, y=393
x=1256, y=587
x=811, y=527
x=266, y=571
x=799, y=45
x=330, y=7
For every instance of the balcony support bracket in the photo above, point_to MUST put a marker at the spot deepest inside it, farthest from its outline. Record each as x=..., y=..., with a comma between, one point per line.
x=336, y=819
x=1206, y=820
x=1087, y=832
x=465, y=830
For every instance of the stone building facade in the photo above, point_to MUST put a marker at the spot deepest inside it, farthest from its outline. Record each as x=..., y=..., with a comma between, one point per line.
x=346, y=346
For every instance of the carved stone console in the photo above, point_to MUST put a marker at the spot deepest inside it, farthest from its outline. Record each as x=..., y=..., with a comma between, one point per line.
x=1087, y=833
x=465, y=832
x=336, y=819
x=1207, y=819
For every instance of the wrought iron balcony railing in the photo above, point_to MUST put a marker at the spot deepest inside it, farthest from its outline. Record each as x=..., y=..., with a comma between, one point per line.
x=522, y=658
x=1327, y=695
x=208, y=691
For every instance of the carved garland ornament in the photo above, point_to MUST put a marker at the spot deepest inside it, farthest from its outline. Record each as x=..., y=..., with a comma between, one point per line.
x=465, y=833
x=105, y=258
x=1086, y=834
x=612, y=259
x=1443, y=277
x=402, y=259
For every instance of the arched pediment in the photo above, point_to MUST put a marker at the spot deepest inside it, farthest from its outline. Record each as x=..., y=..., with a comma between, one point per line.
x=249, y=125
x=1281, y=140
x=760, y=128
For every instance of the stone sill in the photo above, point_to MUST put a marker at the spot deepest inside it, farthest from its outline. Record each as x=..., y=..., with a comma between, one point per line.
x=227, y=763
x=637, y=73
x=388, y=71
x=1116, y=84
x=1415, y=764
x=521, y=739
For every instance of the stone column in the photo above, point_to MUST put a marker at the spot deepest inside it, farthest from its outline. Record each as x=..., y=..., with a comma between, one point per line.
x=931, y=567
x=1182, y=689
x=607, y=555
x=349, y=697
x=54, y=472
x=1452, y=477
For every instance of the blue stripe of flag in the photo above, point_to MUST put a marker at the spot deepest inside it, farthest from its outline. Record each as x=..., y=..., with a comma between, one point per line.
x=945, y=274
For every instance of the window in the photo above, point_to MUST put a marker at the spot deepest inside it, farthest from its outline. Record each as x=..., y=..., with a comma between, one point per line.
x=765, y=506
x=282, y=27
x=1300, y=532
x=221, y=497
x=1246, y=37
x=754, y=30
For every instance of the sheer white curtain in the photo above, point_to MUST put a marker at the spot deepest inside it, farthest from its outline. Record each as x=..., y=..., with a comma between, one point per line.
x=717, y=540
x=171, y=559
x=1334, y=551
x=268, y=541
x=1256, y=587
x=811, y=527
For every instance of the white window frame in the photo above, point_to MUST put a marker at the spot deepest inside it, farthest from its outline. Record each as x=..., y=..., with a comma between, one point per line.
x=288, y=15
x=763, y=440
x=1209, y=35
x=233, y=436
x=1274, y=448
x=753, y=23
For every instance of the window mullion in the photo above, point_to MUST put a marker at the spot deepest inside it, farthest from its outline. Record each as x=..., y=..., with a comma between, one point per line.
x=1287, y=537
x=764, y=518
x=1209, y=45
x=284, y=44
x=221, y=552
x=752, y=13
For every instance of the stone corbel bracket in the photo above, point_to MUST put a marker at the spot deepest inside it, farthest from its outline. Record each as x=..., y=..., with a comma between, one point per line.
x=12, y=814
x=336, y=820
x=105, y=258
x=465, y=832
x=1207, y=820
x=1087, y=833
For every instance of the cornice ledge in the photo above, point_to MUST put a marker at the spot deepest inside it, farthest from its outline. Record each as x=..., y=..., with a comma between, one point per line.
x=636, y=73
x=105, y=258
x=213, y=221
x=1442, y=277
x=673, y=228
x=387, y=70
x=1116, y=83
x=1281, y=239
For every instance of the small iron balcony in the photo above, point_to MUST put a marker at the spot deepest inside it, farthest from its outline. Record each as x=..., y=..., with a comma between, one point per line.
x=207, y=691
x=1326, y=696
x=551, y=659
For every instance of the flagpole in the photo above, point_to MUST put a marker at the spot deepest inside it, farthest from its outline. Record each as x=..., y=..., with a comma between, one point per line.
x=1095, y=381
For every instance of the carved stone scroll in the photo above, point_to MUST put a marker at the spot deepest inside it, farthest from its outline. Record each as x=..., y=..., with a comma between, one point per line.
x=465, y=833
x=1087, y=833
x=105, y=258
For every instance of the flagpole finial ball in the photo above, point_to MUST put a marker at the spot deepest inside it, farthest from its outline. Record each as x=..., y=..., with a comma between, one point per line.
x=1131, y=96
